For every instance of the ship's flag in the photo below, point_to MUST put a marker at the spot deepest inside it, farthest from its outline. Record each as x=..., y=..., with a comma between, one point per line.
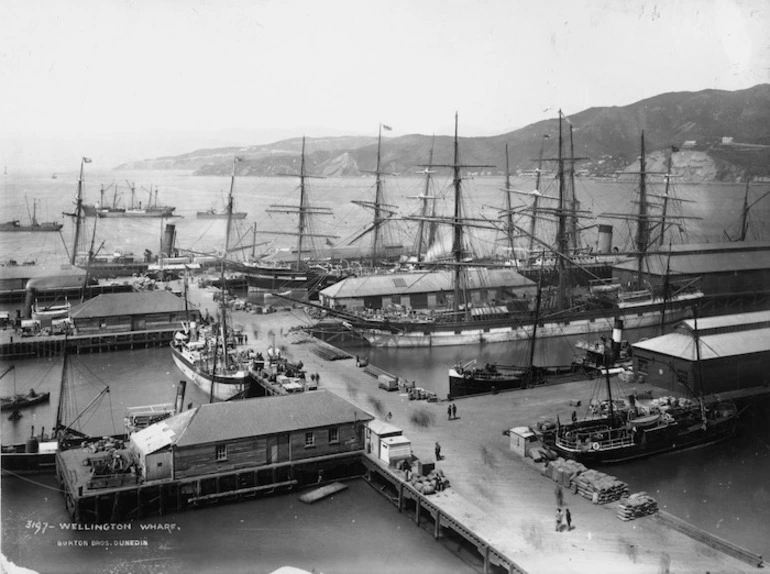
x=238, y=158
x=87, y=159
x=387, y=128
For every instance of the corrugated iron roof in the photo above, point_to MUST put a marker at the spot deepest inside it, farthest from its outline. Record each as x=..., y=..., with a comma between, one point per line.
x=159, y=435
x=745, y=320
x=423, y=282
x=140, y=303
x=700, y=263
x=230, y=420
x=682, y=345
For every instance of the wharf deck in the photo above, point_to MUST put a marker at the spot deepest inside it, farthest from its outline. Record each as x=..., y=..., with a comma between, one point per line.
x=505, y=498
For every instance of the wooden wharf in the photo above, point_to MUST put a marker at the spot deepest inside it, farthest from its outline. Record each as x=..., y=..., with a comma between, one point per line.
x=14, y=347
x=120, y=497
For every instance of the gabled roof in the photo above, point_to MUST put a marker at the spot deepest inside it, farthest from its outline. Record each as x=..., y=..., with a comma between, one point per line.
x=682, y=345
x=696, y=263
x=121, y=304
x=382, y=428
x=423, y=282
x=734, y=322
x=231, y=420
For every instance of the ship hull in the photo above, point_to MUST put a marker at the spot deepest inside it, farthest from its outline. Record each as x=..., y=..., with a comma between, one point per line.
x=463, y=386
x=271, y=279
x=225, y=386
x=34, y=228
x=505, y=330
x=693, y=438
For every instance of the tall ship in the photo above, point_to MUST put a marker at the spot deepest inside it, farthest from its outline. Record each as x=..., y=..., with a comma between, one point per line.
x=104, y=209
x=624, y=429
x=468, y=318
x=34, y=225
x=214, y=356
x=302, y=272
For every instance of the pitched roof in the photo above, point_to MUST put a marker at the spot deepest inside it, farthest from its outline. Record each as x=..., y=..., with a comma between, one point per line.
x=230, y=420
x=734, y=322
x=696, y=263
x=120, y=304
x=682, y=345
x=423, y=282
x=161, y=434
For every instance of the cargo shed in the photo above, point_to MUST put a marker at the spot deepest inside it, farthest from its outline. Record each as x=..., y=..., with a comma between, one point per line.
x=734, y=353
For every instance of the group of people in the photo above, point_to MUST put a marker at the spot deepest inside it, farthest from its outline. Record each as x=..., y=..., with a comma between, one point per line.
x=562, y=516
x=451, y=411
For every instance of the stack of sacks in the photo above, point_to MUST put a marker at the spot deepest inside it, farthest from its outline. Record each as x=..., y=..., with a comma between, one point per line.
x=637, y=505
x=563, y=471
x=599, y=487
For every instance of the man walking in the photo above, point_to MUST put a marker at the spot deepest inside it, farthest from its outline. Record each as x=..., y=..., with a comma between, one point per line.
x=454, y=410
x=568, y=517
x=437, y=449
x=559, y=496
x=449, y=412
x=558, y=520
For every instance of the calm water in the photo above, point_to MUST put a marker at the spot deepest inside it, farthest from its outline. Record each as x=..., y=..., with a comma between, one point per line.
x=722, y=489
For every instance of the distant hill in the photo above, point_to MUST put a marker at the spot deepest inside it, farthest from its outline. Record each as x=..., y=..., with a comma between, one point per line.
x=720, y=135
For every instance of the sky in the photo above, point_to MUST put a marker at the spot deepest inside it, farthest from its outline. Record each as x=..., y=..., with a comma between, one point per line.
x=129, y=79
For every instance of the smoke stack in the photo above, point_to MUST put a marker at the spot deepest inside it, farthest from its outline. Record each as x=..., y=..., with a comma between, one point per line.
x=617, y=337
x=169, y=235
x=605, y=239
x=180, y=390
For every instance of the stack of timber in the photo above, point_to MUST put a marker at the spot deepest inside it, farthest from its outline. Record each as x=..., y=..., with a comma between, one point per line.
x=563, y=471
x=637, y=505
x=327, y=352
x=599, y=487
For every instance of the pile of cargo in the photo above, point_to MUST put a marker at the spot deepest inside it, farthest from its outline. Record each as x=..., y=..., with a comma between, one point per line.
x=563, y=471
x=637, y=505
x=599, y=487
x=433, y=482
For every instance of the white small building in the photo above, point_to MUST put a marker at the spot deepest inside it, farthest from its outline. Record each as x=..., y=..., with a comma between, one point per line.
x=376, y=432
x=522, y=439
x=395, y=448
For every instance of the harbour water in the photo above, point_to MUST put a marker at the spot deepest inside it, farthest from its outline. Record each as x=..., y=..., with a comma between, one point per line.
x=722, y=488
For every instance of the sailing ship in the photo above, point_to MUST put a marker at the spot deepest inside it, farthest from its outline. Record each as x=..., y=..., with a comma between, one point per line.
x=214, y=356
x=38, y=453
x=301, y=273
x=20, y=400
x=103, y=209
x=621, y=430
x=472, y=322
x=34, y=225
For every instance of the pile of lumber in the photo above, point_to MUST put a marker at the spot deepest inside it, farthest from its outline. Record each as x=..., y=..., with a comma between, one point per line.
x=637, y=505
x=563, y=471
x=599, y=487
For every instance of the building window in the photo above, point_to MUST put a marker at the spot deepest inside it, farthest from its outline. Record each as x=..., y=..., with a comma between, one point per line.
x=309, y=440
x=643, y=366
x=221, y=452
x=334, y=435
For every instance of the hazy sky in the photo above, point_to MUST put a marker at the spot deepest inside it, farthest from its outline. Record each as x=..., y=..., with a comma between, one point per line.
x=133, y=78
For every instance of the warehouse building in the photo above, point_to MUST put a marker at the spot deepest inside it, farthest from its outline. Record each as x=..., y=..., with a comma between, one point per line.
x=734, y=354
x=428, y=290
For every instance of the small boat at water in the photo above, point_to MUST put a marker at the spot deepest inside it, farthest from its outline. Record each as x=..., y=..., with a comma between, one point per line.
x=322, y=492
x=16, y=225
x=60, y=311
x=19, y=401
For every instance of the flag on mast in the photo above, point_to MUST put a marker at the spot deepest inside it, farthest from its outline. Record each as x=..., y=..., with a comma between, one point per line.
x=387, y=128
x=87, y=160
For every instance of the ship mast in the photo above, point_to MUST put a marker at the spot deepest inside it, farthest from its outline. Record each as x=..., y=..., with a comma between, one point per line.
x=574, y=203
x=536, y=196
x=230, y=206
x=664, y=210
x=509, y=229
x=643, y=223
x=561, y=234
x=377, y=201
x=457, y=243
x=78, y=210
x=425, y=199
